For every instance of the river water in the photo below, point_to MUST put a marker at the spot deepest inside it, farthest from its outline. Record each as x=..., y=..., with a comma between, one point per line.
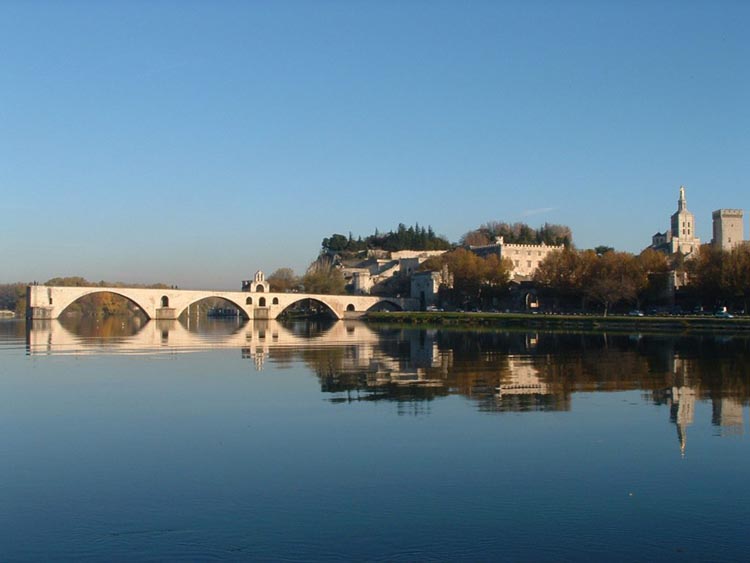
x=347, y=441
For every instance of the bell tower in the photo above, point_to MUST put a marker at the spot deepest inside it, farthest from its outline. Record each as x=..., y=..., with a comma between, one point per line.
x=682, y=230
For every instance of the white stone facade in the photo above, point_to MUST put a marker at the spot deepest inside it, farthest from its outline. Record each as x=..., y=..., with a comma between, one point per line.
x=525, y=257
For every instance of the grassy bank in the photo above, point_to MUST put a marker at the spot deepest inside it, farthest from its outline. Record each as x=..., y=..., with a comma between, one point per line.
x=572, y=322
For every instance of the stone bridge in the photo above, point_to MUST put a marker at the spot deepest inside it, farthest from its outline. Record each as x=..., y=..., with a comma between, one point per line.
x=48, y=302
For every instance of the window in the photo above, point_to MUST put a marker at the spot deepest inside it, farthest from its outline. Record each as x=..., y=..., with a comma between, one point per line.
x=249, y=301
x=164, y=301
x=528, y=263
x=262, y=302
x=350, y=307
x=259, y=288
x=275, y=301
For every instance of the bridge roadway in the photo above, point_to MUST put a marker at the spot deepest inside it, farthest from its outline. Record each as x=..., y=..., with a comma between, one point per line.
x=48, y=302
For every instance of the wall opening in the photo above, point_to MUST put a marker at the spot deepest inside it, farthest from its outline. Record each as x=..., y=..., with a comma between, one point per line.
x=350, y=307
x=259, y=288
x=262, y=301
x=275, y=301
x=164, y=301
x=249, y=301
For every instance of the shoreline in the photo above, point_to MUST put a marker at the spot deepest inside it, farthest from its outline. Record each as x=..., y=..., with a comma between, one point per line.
x=571, y=322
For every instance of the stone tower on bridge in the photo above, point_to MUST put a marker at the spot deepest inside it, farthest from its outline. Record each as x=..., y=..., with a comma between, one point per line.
x=256, y=285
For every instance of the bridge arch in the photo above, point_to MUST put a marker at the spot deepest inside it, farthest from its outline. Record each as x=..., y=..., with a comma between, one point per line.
x=317, y=299
x=386, y=305
x=243, y=311
x=64, y=304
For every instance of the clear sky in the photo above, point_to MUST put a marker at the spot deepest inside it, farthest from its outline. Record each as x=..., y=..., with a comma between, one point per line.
x=193, y=143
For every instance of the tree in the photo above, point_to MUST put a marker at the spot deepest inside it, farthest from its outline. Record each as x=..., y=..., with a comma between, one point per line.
x=323, y=277
x=721, y=277
x=283, y=280
x=13, y=297
x=336, y=243
x=615, y=277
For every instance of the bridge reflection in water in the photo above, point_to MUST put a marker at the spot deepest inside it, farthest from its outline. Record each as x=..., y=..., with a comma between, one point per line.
x=498, y=371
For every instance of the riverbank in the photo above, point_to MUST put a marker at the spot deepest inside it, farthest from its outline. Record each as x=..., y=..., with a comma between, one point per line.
x=570, y=322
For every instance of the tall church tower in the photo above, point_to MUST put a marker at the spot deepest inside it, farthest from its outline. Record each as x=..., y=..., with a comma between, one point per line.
x=682, y=233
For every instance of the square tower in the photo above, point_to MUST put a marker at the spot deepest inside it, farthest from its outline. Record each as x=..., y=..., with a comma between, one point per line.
x=729, y=228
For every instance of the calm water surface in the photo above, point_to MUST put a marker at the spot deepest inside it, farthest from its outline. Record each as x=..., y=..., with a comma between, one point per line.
x=263, y=441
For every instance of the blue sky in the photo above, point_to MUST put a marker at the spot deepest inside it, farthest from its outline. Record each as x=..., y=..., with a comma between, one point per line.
x=195, y=142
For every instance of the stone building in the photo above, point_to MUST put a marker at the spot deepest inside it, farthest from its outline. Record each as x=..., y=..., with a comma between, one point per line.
x=728, y=228
x=681, y=235
x=425, y=286
x=382, y=267
x=525, y=257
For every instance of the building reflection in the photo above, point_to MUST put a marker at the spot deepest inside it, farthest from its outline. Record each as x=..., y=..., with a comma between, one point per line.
x=511, y=371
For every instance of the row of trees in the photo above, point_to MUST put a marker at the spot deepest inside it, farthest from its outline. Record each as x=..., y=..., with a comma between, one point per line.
x=714, y=277
x=404, y=238
x=606, y=278
x=518, y=233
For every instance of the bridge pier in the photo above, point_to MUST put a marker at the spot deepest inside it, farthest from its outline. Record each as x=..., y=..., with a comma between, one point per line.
x=166, y=314
x=261, y=314
x=40, y=313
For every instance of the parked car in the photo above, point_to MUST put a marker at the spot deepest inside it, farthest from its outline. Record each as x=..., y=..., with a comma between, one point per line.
x=635, y=313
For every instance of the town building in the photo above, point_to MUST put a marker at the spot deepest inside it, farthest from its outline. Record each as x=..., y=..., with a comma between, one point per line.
x=728, y=228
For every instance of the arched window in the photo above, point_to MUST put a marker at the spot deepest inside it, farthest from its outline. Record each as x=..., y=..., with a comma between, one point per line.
x=275, y=301
x=259, y=288
x=350, y=307
x=164, y=301
x=249, y=301
x=262, y=302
